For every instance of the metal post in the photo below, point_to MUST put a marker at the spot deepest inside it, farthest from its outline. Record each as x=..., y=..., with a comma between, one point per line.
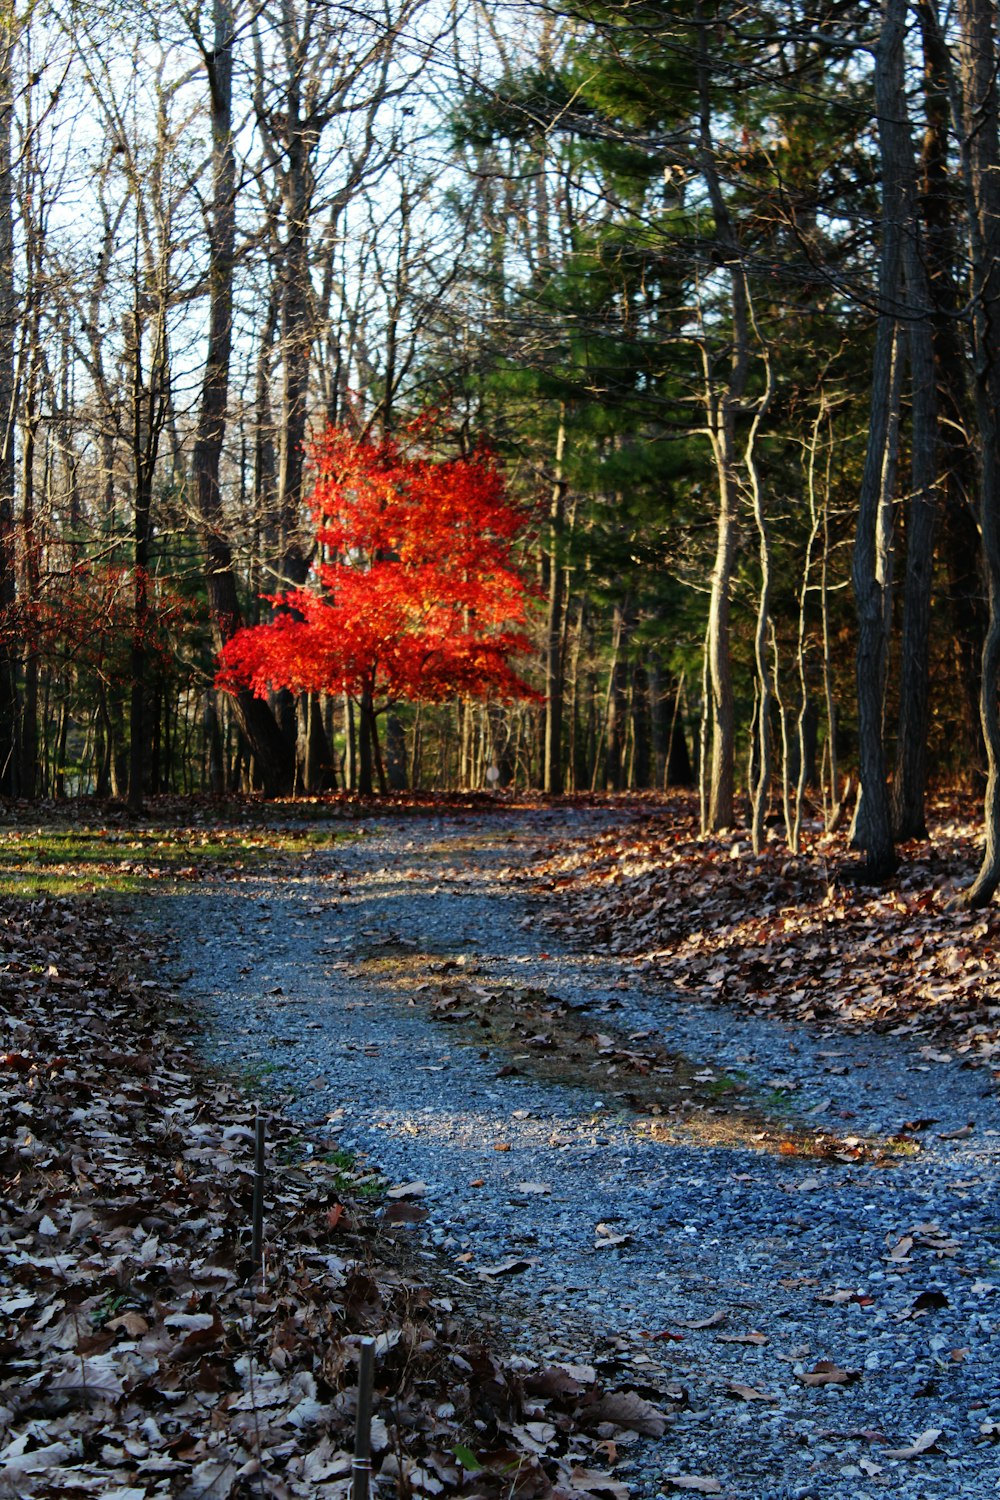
x=362, y=1466
x=257, y=1244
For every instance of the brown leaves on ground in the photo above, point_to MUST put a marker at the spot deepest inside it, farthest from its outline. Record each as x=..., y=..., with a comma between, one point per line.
x=136, y=1357
x=780, y=935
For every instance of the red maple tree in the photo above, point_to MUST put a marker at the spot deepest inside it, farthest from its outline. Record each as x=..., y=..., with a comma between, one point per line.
x=416, y=592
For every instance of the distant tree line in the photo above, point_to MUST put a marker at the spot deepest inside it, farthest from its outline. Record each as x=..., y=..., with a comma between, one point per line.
x=718, y=282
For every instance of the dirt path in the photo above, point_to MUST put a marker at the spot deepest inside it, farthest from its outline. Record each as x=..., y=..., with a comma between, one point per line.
x=847, y=1307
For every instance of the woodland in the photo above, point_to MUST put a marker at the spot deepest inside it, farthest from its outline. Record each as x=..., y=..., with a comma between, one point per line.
x=703, y=295
x=490, y=410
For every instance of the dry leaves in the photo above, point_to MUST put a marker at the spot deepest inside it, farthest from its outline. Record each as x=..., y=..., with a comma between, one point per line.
x=135, y=1361
x=923, y=1444
x=825, y=1372
x=630, y=1410
x=775, y=934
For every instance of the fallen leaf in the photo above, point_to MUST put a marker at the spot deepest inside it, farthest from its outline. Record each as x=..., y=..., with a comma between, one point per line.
x=825, y=1372
x=404, y=1213
x=702, y=1484
x=407, y=1190
x=90, y=1379
x=594, y=1482
x=14, y=1464
x=213, y=1479
x=712, y=1321
x=748, y=1392
x=132, y=1323
x=629, y=1409
x=922, y=1444
x=508, y=1267
x=606, y=1237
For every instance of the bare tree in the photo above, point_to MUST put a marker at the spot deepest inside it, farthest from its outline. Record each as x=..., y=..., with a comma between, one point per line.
x=875, y=823
x=981, y=158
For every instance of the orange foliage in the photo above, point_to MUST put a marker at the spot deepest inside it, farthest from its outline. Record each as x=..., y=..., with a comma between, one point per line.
x=417, y=595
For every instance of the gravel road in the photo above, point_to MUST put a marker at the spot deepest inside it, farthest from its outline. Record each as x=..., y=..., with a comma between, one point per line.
x=891, y=1275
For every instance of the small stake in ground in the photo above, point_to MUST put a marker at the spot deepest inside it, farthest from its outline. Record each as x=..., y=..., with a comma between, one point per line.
x=362, y=1466
x=257, y=1243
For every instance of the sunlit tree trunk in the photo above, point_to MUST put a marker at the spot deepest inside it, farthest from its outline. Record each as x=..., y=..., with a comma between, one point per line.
x=981, y=147
x=722, y=408
x=9, y=313
x=909, y=781
x=875, y=824
x=763, y=642
x=270, y=753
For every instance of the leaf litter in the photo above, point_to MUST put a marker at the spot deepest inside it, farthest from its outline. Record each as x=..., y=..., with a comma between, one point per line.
x=140, y=1357
x=781, y=934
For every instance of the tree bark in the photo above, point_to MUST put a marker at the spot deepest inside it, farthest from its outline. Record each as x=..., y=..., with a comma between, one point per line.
x=941, y=206
x=552, y=776
x=270, y=752
x=876, y=825
x=910, y=778
x=763, y=642
x=981, y=154
x=722, y=408
x=8, y=325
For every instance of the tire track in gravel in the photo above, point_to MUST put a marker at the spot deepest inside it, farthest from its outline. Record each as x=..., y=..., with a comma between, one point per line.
x=810, y=1257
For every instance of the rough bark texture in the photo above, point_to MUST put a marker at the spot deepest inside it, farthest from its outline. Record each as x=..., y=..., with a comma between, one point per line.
x=271, y=759
x=910, y=779
x=941, y=208
x=552, y=773
x=981, y=149
x=876, y=826
x=722, y=409
x=8, y=324
x=761, y=786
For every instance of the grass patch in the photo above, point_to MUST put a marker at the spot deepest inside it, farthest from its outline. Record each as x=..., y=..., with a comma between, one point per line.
x=62, y=859
x=352, y=1180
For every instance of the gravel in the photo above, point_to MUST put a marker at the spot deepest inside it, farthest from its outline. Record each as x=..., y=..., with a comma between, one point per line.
x=279, y=974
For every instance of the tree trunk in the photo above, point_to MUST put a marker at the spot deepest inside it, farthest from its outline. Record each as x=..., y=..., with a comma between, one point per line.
x=960, y=548
x=9, y=312
x=761, y=787
x=909, y=781
x=876, y=825
x=270, y=752
x=981, y=150
x=552, y=775
x=722, y=408
x=366, y=736
x=395, y=753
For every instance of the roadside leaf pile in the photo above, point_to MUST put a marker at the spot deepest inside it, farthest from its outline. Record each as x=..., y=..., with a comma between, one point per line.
x=783, y=935
x=140, y=1356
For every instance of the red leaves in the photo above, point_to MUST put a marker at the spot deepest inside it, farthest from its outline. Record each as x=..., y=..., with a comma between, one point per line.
x=418, y=596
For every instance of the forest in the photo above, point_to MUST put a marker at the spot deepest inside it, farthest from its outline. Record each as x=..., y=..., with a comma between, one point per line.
x=708, y=291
